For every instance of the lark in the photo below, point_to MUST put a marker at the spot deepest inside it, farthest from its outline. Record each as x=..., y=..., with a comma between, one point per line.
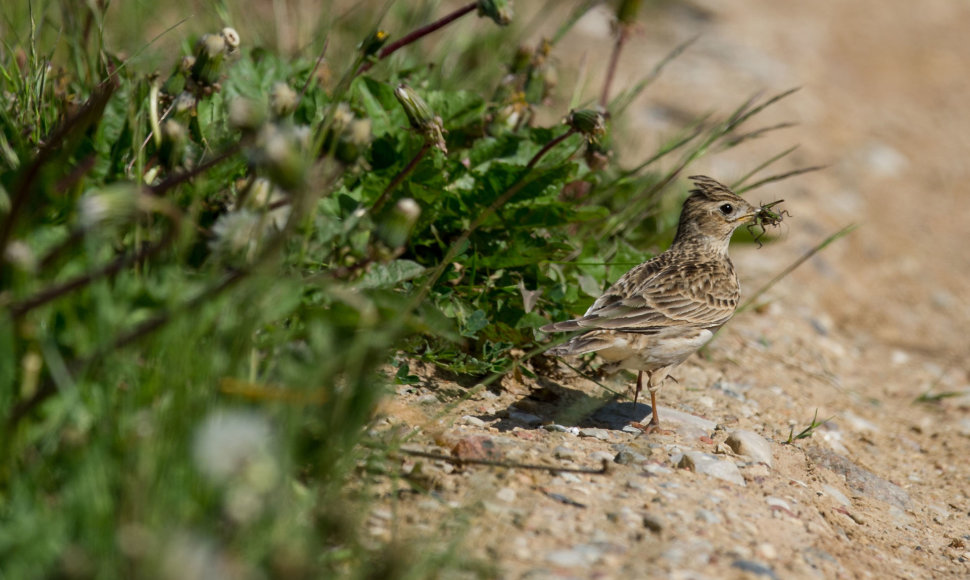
x=662, y=311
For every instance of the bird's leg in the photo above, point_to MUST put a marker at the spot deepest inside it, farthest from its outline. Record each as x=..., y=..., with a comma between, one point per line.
x=636, y=394
x=654, y=425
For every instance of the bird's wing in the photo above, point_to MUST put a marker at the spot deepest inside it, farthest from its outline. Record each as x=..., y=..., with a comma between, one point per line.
x=662, y=296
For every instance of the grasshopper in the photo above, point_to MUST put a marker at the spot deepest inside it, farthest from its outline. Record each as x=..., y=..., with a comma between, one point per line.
x=766, y=217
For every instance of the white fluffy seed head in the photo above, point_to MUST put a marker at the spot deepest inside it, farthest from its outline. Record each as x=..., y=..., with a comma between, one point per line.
x=231, y=37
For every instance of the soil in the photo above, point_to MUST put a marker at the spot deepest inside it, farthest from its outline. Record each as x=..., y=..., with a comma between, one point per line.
x=871, y=334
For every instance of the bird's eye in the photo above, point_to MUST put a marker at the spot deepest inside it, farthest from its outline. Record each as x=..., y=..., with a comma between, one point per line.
x=726, y=208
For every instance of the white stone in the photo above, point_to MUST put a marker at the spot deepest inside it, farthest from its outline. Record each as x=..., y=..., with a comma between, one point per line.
x=750, y=444
x=710, y=465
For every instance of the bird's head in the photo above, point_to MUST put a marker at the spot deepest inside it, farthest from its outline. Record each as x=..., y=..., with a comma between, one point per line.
x=711, y=214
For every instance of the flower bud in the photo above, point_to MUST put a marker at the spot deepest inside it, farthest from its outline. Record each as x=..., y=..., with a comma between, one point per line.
x=246, y=115
x=347, y=136
x=184, y=102
x=591, y=123
x=421, y=116
x=209, y=52
x=395, y=228
x=498, y=10
x=231, y=37
x=283, y=100
x=370, y=45
x=626, y=12
x=20, y=255
x=111, y=205
x=236, y=237
x=174, y=138
x=279, y=151
x=267, y=198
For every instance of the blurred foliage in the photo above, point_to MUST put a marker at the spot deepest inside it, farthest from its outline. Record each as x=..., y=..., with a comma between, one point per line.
x=205, y=271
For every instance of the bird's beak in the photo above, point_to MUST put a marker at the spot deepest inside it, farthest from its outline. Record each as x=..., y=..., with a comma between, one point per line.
x=750, y=215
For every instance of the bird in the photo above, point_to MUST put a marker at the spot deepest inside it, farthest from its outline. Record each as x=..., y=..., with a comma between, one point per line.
x=662, y=311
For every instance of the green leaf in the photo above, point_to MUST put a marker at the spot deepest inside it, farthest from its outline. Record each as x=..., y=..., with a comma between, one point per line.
x=475, y=322
x=390, y=274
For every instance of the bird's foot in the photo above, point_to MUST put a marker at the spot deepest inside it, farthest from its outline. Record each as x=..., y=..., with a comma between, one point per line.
x=652, y=428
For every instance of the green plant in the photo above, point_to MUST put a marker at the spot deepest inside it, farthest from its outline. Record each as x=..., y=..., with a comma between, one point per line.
x=807, y=431
x=229, y=252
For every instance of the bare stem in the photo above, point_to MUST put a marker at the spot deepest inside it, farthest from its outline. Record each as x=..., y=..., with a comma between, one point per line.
x=89, y=114
x=49, y=388
x=535, y=158
x=420, y=33
x=179, y=178
x=316, y=66
x=623, y=31
x=54, y=292
x=400, y=177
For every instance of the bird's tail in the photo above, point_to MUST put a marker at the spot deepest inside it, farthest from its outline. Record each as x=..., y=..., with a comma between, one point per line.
x=582, y=344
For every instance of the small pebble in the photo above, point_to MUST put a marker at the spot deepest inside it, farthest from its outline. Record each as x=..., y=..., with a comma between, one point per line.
x=778, y=503
x=626, y=456
x=766, y=551
x=525, y=418
x=654, y=469
x=750, y=444
x=601, y=456
x=835, y=494
x=640, y=487
x=685, y=424
x=506, y=494
x=601, y=434
x=755, y=568
x=473, y=421
x=707, y=516
x=563, y=452
x=710, y=465
x=566, y=558
x=653, y=523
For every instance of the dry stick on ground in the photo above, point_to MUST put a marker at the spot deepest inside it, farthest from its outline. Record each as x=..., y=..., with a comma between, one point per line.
x=507, y=464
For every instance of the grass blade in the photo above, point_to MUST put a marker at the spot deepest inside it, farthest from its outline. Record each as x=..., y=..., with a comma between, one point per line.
x=791, y=268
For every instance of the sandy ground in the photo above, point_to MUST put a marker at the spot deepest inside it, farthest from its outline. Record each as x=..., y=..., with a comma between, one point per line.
x=858, y=333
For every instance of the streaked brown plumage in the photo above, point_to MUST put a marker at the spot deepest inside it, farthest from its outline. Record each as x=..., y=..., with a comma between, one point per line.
x=660, y=312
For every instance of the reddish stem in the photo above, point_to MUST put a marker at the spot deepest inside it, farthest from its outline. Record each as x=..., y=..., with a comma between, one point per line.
x=400, y=177
x=614, y=59
x=420, y=33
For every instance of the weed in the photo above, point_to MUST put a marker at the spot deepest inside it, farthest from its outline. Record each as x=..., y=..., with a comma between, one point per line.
x=807, y=431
